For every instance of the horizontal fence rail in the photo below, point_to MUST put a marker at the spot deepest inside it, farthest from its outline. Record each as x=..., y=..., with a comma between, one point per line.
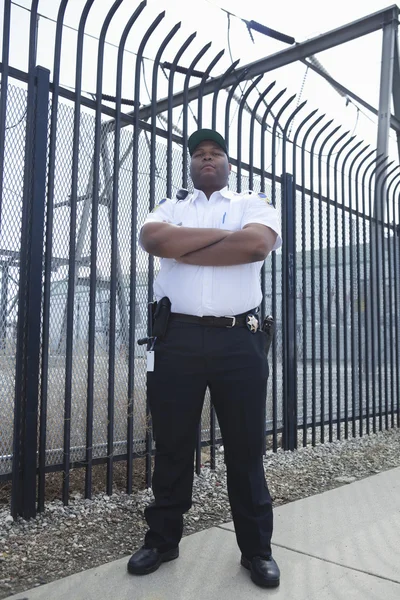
x=78, y=177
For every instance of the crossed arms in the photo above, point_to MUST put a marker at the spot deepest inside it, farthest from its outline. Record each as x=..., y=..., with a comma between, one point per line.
x=207, y=246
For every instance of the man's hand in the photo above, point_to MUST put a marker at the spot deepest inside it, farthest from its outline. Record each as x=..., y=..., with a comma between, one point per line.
x=173, y=241
x=253, y=243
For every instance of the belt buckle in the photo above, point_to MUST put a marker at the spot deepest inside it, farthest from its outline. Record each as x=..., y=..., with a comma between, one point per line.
x=233, y=322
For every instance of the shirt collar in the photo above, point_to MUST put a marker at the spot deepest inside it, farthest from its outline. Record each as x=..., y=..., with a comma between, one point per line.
x=225, y=193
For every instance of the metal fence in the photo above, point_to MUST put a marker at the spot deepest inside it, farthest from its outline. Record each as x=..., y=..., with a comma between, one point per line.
x=77, y=179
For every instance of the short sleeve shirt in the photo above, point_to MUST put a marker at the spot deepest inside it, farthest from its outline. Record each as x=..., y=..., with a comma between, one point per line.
x=217, y=291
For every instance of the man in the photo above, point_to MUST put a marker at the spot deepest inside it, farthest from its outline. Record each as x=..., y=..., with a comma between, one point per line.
x=212, y=244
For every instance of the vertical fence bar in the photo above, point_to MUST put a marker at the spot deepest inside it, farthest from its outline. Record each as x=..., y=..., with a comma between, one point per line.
x=4, y=91
x=291, y=291
x=303, y=315
x=153, y=170
x=360, y=304
x=329, y=287
x=17, y=495
x=274, y=283
x=288, y=314
x=392, y=299
x=304, y=275
x=337, y=286
x=366, y=303
x=387, y=339
x=396, y=265
x=98, y=141
x=114, y=235
x=321, y=286
x=377, y=282
x=373, y=289
x=312, y=278
x=273, y=274
x=356, y=364
x=72, y=276
x=34, y=288
x=133, y=224
x=344, y=295
x=48, y=255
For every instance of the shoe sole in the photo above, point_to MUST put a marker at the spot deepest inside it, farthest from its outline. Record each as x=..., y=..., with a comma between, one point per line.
x=165, y=557
x=260, y=582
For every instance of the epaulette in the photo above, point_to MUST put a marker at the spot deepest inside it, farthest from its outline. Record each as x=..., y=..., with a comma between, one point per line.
x=181, y=194
x=264, y=197
x=159, y=204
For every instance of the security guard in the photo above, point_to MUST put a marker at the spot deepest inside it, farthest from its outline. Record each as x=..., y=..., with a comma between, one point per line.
x=212, y=244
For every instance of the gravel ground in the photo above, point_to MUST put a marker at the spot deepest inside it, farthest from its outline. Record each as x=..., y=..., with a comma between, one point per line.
x=87, y=533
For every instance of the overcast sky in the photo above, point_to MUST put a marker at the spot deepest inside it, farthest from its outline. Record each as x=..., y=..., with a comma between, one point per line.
x=356, y=64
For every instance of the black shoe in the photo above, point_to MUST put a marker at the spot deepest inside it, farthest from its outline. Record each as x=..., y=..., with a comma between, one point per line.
x=264, y=571
x=147, y=560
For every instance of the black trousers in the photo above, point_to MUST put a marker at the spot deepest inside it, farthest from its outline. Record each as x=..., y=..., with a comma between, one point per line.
x=233, y=364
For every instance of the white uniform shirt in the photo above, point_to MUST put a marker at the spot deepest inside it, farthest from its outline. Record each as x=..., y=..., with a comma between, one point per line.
x=215, y=291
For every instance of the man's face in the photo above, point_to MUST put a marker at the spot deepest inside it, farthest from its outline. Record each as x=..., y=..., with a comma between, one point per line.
x=209, y=167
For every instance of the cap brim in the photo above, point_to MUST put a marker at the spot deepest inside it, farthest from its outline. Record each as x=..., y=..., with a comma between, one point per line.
x=203, y=135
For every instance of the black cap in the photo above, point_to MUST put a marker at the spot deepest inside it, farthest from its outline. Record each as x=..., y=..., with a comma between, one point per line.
x=206, y=134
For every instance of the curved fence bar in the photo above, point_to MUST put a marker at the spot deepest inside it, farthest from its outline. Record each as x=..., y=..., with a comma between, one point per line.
x=367, y=326
x=170, y=108
x=346, y=292
x=322, y=281
x=116, y=279
x=217, y=90
x=329, y=286
x=361, y=254
x=355, y=328
x=376, y=248
x=391, y=307
x=242, y=104
x=371, y=307
x=263, y=130
x=312, y=283
x=386, y=308
x=396, y=341
x=98, y=142
x=206, y=75
x=75, y=252
x=273, y=144
x=289, y=288
x=228, y=105
x=339, y=312
x=185, y=111
x=48, y=252
x=152, y=199
x=304, y=275
x=251, y=137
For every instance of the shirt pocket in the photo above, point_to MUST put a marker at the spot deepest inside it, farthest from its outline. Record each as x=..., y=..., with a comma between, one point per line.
x=231, y=220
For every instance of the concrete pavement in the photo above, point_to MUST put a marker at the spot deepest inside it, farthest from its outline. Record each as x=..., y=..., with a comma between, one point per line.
x=341, y=544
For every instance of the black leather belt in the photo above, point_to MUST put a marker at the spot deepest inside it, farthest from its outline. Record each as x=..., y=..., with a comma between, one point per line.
x=236, y=321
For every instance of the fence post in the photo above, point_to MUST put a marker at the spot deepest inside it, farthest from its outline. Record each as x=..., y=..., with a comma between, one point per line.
x=289, y=407
x=30, y=298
